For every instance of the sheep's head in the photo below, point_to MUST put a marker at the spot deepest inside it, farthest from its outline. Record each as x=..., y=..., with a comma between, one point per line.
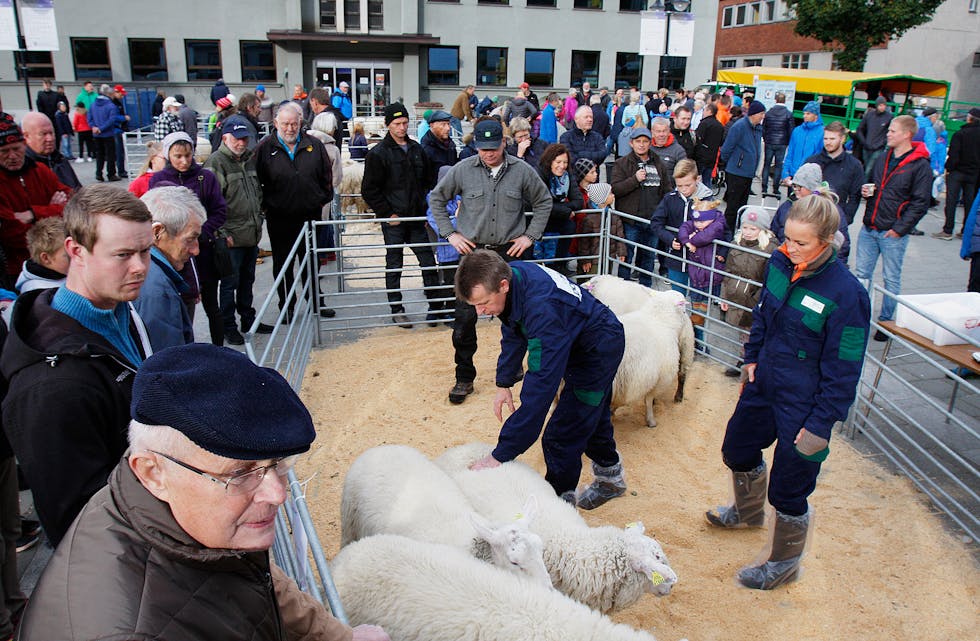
x=513, y=546
x=647, y=557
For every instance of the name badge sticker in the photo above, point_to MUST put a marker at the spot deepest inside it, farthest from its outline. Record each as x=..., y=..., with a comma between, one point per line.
x=812, y=303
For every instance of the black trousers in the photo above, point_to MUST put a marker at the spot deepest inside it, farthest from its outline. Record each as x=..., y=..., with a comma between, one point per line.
x=402, y=234
x=464, y=328
x=958, y=184
x=105, y=154
x=282, y=235
x=736, y=196
x=12, y=600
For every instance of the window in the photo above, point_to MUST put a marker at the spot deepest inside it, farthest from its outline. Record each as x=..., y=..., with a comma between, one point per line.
x=740, y=15
x=491, y=65
x=148, y=59
x=328, y=14
x=976, y=59
x=540, y=3
x=258, y=61
x=443, y=66
x=752, y=62
x=769, y=11
x=588, y=4
x=352, y=15
x=628, y=69
x=493, y=2
x=91, y=57
x=376, y=18
x=796, y=61
x=203, y=59
x=539, y=67
x=727, y=64
x=755, y=13
x=727, y=17
x=973, y=6
x=632, y=5
x=39, y=64
x=585, y=67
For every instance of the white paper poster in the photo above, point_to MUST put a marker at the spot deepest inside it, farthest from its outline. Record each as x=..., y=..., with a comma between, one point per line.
x=765, y=92
x=653, y=33
x=680, y=41
x=8, y=30
x=38, y=25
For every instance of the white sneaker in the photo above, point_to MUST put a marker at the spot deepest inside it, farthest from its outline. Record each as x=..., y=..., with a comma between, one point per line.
x=89, y=159
x=79, y=160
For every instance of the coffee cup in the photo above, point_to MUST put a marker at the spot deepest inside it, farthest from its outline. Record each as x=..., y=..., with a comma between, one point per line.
x=868, y=190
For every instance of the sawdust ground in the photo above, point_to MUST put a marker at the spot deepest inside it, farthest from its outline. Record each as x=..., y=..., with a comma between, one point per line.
x=879, y=563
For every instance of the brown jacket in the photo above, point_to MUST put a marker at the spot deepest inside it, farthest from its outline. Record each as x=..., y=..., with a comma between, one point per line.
x=126, y=570
x=461, y=107
x=747, y=265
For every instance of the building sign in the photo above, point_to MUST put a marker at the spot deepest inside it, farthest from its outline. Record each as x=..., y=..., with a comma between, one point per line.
x=38, y=24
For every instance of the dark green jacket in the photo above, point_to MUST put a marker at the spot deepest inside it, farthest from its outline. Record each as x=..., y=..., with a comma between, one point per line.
x=243, y=194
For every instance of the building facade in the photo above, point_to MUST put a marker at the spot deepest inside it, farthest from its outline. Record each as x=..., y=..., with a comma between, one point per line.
x=760, y=32
x=407, y=50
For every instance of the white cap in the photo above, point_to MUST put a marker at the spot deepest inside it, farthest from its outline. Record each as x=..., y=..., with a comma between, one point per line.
x=170, y=101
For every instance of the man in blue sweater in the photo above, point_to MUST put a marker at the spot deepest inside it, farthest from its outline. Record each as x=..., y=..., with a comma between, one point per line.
x=740, y=156
x=567, y=335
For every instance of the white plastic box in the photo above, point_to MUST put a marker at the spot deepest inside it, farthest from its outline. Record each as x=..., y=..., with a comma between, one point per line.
x=960, y=310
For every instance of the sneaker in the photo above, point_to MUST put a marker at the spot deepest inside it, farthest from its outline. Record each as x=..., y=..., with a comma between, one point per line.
x=459, y=392
x=326, y=312
x=942, y=235
x=114, y=179
x=100, y=178
x=400, y=319
x=234, y=337
x=79, y=161
x=880, y=336
x=959, y=234
x=27, y=541
x=89, y=159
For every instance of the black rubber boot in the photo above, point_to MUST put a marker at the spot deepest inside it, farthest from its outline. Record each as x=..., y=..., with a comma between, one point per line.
x=750, y=501
x=608, y=484
x=783, y=566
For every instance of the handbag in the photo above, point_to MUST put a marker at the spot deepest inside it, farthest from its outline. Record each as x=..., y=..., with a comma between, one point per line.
x=221, y=253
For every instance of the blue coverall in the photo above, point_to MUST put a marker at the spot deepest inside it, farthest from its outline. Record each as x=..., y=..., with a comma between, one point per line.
x=567, y=334
x=808, y=339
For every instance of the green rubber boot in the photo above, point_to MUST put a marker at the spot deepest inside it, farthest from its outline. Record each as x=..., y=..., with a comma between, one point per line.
x=750, y=501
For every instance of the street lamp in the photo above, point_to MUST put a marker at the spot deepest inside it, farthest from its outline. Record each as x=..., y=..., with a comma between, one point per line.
x=671, y=6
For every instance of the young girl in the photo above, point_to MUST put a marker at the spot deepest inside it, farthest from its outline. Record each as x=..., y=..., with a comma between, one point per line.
x=753, y=234
x=84, y=130
x=358, y=145
x=155, y=161
x=698, y=234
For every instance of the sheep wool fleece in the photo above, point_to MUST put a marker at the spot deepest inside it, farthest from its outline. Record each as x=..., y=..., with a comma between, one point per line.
x=808, y=339
x=567, y=334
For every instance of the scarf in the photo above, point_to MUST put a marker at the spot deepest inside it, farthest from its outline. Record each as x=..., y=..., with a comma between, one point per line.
x=559, y=185
x=807, y=269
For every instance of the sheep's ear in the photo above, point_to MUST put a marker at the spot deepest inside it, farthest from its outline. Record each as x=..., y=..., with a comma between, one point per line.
x=635, y=527
x=529, y=512
x=482, y=527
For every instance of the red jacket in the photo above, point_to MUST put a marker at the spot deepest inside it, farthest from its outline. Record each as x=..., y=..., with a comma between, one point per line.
x=29, y=188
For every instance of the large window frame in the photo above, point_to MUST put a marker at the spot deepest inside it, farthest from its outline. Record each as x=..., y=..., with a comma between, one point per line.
x=624, y=77
x=593, y=5
x=448, y=75
x=580, y=68
x=140, y=61
x=84, y=53
x=252, y=59
x=491, y=66
x=200, y=70
x=539, y=78
x=40, y=64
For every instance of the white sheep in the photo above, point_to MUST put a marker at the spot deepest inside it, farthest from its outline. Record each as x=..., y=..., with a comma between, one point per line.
x=606, y=568
x=659, y=341
x=395, y=489
x=350, y=187
x=427, y=592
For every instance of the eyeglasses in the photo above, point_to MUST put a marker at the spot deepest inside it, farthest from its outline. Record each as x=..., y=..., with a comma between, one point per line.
x=241, y=483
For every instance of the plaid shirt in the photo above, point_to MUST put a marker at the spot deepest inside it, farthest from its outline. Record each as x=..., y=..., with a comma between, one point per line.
x=166, y=123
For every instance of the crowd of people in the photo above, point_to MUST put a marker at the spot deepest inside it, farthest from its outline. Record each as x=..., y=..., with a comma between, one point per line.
x=133, y=430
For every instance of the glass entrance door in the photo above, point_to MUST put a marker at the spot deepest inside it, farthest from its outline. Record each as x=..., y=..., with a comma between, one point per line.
x=370, y=83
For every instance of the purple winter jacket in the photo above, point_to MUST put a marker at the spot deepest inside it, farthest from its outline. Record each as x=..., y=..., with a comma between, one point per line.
x=205, y=185
x=703, y=240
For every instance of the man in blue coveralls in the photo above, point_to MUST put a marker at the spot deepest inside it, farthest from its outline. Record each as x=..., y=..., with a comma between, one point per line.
x=567, y=334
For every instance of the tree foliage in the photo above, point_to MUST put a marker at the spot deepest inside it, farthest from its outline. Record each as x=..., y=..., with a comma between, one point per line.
x=852, y=27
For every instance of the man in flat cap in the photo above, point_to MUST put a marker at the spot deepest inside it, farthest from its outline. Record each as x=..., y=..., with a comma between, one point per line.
x=177, y=544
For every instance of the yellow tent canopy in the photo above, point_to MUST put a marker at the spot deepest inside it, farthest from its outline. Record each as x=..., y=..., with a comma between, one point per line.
x=835, y=83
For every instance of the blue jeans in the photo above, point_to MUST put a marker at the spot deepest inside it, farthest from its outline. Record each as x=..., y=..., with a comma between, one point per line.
x=66, y=147
x=641, y=234
x=678, y=280
x=871, y=243
x=773, y=163
x=235, y=294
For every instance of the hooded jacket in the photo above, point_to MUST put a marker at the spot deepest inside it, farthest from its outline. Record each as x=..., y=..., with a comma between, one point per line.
x=521, y=107
x=106, y=116
x=740, y=154
x=126, y=570
x=67, y=409
x=902, y=192
x=239, y=183
x=871, y=132
x=29, y=188
x=806, y=140
x=747, y=265
x=777, y=126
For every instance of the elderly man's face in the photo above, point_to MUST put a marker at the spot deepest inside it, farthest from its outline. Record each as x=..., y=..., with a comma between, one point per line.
x=39, y=135
x=12, y=156
x=115, y=269
x=287, y=125
x=179, y=247
x=441, y=129
x=586, y=87
x=583, y=119
x=660, y=133
x=236, y=146
x=216, y=518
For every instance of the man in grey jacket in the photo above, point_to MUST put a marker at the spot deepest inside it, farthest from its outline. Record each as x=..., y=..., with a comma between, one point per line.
x=871, y=133
x=494, y=188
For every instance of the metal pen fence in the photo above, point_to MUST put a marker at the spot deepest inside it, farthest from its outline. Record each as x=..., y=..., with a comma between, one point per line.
x=895, y=414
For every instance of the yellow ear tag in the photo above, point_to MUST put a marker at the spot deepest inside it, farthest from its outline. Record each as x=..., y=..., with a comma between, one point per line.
x=631, y=524
x=310, y=148
x=518, y=516
x=656, y=578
